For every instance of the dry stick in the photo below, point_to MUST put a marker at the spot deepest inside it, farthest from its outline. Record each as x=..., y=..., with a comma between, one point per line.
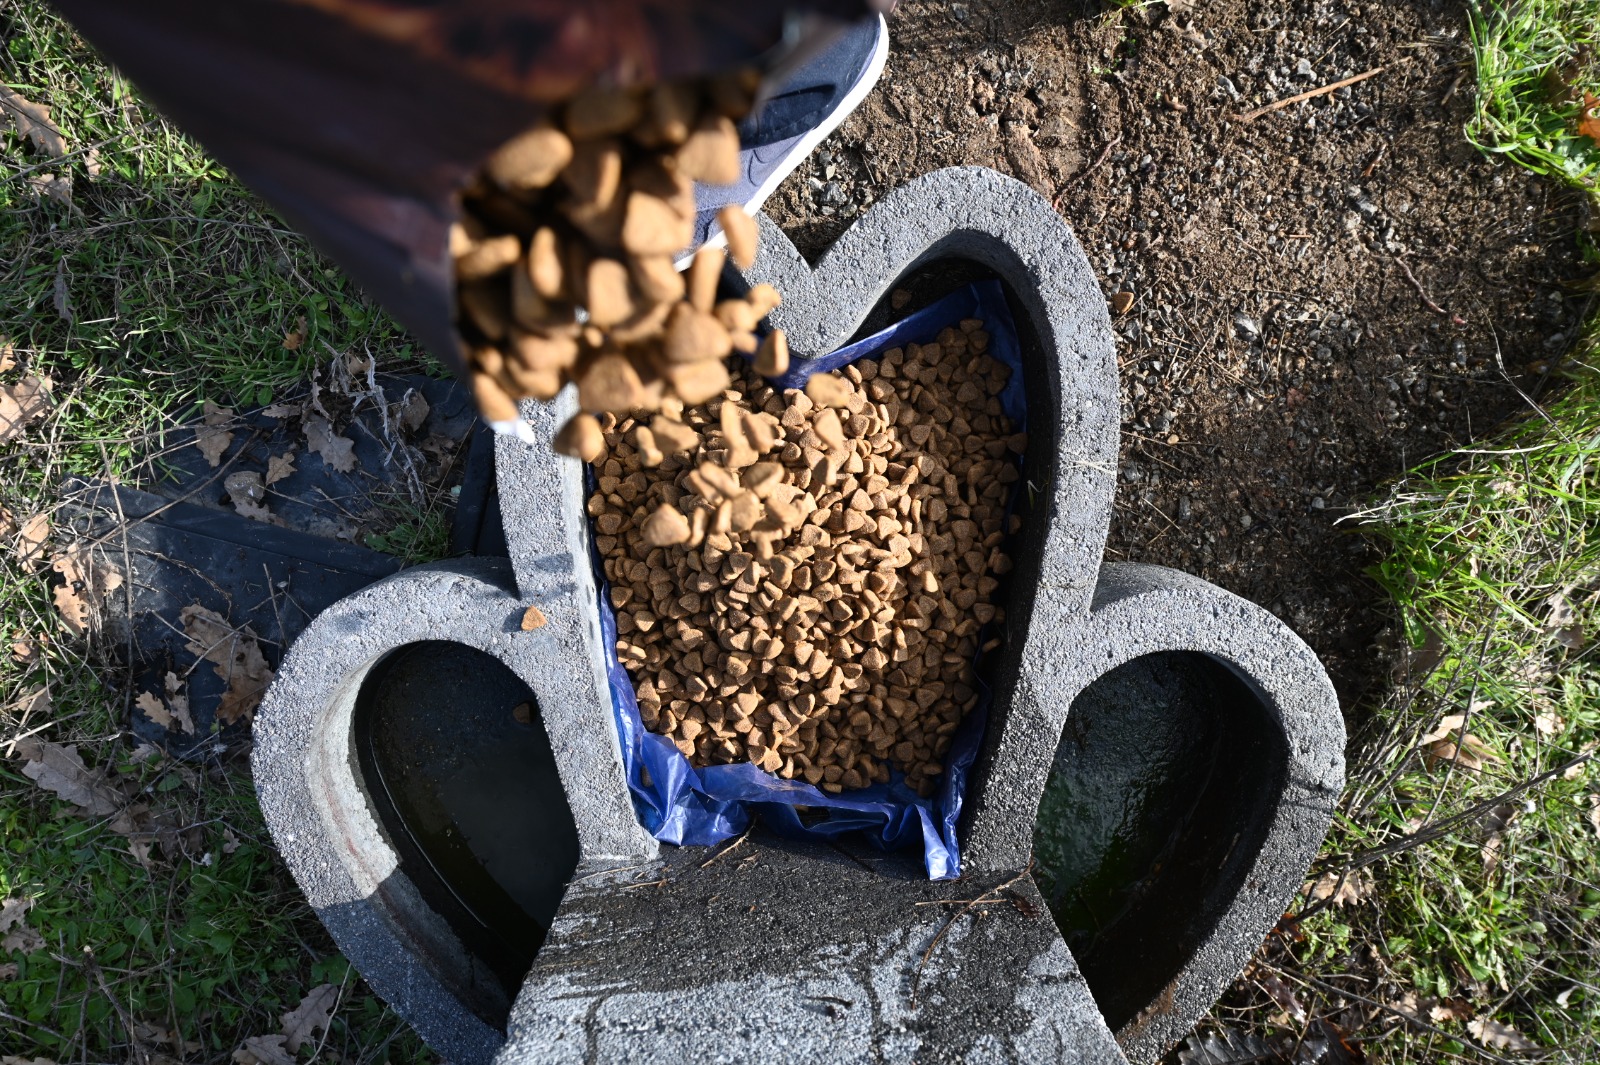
x=1251, y=116
x=1406, y=268
x=916, y=978
x=1081, y=176
x=730, y=848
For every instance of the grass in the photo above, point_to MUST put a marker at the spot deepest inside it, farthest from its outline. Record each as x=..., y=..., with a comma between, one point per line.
x=1458, y=916
x=1535, y=59
x=162, y=283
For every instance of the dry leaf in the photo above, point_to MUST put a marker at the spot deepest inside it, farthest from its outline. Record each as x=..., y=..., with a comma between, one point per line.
x=280, y=466
x=314, y=1012
x=61, y=293
x=1562, y=623
x=230, y=842
x=1594, y=813
x=91, y=163
x=248, y=493
x=21, y=403
x=35, y=702
x=1589, y=118
x=57, y=187
x=413, y=410
x=533, y=618
x=9, y=1059
x=263, y=1050
x=296, y=336
x=33, y=122
x=8, y=971
x=1469, y=753
x=59, y=769
x=84, y=584
x=337, y=451
x=31, y=538
x=283, y=410
x=12, y=911
x=1451, y=1009
x=1343, y=887
x=22, y=939
x=1549, y=722
x=212, y=442
x=154, y=709
x=1491, y=1033
x=8, y=355
x=235, y=656
x=178, y=701
x=1448, y=724
x=24, y=652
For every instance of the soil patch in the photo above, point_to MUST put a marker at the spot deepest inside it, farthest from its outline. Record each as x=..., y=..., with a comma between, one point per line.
x=1320, y=297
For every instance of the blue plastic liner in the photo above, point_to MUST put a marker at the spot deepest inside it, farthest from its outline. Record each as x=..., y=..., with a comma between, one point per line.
x=679, y=804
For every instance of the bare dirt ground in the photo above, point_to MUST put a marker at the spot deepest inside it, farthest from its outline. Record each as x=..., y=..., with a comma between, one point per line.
x=1322, y=296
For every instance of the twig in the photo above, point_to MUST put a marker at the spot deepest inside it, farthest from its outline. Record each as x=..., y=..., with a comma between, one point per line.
x=1406, y=268
x=1251, y=116
x=649, y=883
x=603, y=872
x=1081, y=176
x=916, y=978
x=730, y=848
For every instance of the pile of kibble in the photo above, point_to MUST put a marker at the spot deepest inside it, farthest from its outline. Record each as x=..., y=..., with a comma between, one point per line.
x=800, y=578
x=564, y=258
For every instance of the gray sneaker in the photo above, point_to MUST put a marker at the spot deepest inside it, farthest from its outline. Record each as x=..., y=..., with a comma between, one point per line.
x=807, y=107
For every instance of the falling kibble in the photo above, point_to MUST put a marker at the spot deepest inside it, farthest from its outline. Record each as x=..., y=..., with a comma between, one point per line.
x=533, y=618
x=564, y=259
x=805, y=586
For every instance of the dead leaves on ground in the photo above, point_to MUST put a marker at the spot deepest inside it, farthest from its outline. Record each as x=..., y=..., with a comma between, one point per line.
x=23, y=403
x=1341, y=887
x=339, y=452
x=84, y=584
x=15, y=935
x=33, y=121
x=1491, y=1033
x=210, y=436
x=248, y=493
x=236, y=657
x=1589, y=118
x=28, y=537
x=170, y=709
x=300, y=1025
x=60, y=769
x=1449, y=744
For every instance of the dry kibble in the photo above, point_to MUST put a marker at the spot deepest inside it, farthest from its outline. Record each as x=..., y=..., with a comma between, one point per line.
x=530, y=160
x=806, y=590
x=601, y=112
x=711, y=152
x=772, y=358
x=564, y=261
x=740, y=229
x=827, y=390
x=581, y=438
x=665, y=527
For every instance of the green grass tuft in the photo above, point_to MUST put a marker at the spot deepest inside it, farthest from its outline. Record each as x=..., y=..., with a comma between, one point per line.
x=1535, y=60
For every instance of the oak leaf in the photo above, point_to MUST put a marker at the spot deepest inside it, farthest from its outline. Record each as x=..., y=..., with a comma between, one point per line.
x=337, y=451
x=61, y=770
x=280, y=466
x=22, y=403
x=314, y=1012
x=263, y=1050
x=33, y=121
x=1491, y=1033
x=1589, y=118
x=235, y=656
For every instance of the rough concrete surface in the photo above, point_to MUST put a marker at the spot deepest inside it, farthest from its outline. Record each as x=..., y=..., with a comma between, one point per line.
x=717, y=961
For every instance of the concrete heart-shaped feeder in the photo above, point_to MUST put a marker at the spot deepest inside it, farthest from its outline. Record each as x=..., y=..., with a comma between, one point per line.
x=783, y=949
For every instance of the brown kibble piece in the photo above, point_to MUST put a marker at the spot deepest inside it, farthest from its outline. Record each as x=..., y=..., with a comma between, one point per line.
x=601, y=112
x=827, y=390
x=488, y=257
x=595, y=174
x=649, y=454
x=711, y=152
x=610, y=384
x=670, y=114
x=530, y=160
x=740, y=229
x=581, y=438
x=533, y=618
x=705, y=274
x=545, y=266
x=666, y=526
x=772, y=358
x=657, y=279
x=606, y=290
x=696, y=382
x=674, y=436
x=492, y=399
x=692, y=336
x=652, y=227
